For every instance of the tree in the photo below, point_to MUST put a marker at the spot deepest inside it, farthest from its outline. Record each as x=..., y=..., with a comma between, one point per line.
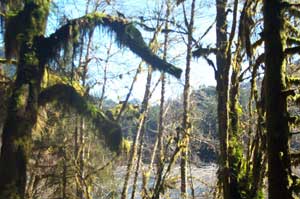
x=223, y=64
x=186, y=123
x=276, y=104
x=25, y=40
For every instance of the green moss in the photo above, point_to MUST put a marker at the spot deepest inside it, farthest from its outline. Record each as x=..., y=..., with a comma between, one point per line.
x=239, y=109
x=21, y=97
x=51, y=78
x=126, y=145
x=31, y=59
x=260, y=195
x=126, y=35
x=96, y=15
x=107, y=129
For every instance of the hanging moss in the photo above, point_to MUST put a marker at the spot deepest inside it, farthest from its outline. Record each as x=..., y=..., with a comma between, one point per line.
x=65, y=94
x=24, y=24
x=126, y=35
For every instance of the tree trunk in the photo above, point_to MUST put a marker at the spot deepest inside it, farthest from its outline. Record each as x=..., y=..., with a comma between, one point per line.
x=159, y=140
x=235, y=151
x=186, y=123
x=276, y=104
x=16, y=139
x=222, y=91
x=145, y=106
x=23, y=106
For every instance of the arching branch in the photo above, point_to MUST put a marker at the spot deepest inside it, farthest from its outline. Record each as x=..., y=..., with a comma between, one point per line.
x=126, y=35
x=65, y=94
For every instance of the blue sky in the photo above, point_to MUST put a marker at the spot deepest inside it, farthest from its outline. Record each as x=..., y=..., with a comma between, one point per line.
x=124, y=61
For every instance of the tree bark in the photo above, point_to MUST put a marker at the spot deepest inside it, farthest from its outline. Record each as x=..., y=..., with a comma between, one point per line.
x=186, y=123
x=23, y=106
x=222, y=78
x=276, y=104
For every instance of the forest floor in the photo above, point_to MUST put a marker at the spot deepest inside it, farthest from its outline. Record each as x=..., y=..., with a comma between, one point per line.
x=203, y=177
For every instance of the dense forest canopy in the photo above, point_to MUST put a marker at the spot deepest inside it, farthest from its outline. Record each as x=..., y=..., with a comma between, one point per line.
x=108, y=99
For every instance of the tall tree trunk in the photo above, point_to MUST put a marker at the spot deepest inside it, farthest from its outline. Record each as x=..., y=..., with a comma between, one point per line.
x=276, y=104
x=235, y=151
x=159, y=140
x=16, y=139
x=23, y=105
x=145, y=104
x=256, y=157
x=222, y=74
x=186, y=123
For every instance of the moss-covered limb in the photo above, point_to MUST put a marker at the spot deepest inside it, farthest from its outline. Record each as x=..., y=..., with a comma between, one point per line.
x=65, y=94
x=210, y=63
x=51, y=78
x=126, y=35
x=204, y=51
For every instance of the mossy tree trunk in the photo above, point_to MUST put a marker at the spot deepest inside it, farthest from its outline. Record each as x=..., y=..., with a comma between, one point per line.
x=186, y=123
x=144, y=110
x=276, y=104
x=235, y=151
x=23, y=104
x=161, y=120
x=222, y=78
